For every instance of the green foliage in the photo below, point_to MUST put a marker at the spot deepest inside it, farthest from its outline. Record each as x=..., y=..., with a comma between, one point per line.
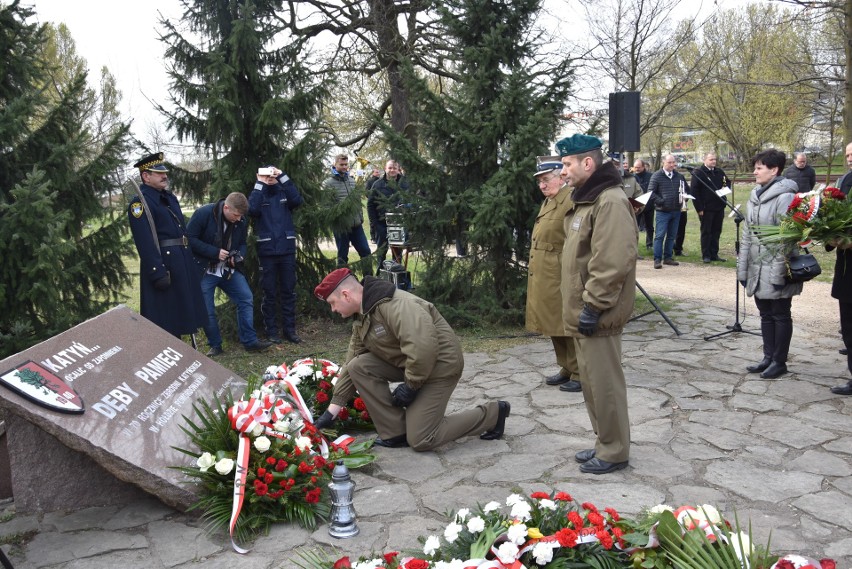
x=478, y=138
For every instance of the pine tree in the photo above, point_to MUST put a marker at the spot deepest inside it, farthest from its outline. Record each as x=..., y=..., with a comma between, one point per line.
x=61, y=253
x=242, y=92
x=478, y=140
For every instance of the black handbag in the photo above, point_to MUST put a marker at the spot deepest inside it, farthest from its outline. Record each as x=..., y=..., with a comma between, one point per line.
x=802, y=268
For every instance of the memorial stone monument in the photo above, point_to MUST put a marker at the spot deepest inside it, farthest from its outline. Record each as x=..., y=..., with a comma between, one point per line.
x=93, y=413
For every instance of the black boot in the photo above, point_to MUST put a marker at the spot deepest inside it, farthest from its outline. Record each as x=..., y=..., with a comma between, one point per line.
x=760, y=366
x=775, y=369
x=783, y=337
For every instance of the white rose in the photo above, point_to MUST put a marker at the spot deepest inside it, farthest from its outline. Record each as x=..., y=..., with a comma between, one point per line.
x=660, y=508
x=372, y=564
x=205, y=461
x=303, y=443
x=547, y=504
x=224, y=466
x=451, y=533
x=517, y=534
x=741, y=543
x=282, y=426
x=318, y=374
x=262, y=444
x=433, y=542
x=709, y=513
x=257, y=430
x=476, y=524
x=507, y=552
x=491, y=506
x=543, y=553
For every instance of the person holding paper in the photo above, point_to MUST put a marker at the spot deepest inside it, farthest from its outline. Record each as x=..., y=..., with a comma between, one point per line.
x=709, y=185
x=668, y=194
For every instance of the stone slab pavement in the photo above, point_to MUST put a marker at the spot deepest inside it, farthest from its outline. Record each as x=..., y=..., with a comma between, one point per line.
x=776, y=452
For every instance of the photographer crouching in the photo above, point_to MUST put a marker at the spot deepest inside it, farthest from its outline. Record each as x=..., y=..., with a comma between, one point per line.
x=217, y=235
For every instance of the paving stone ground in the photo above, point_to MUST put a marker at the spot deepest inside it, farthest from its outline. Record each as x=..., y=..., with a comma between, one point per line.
x=778, y=452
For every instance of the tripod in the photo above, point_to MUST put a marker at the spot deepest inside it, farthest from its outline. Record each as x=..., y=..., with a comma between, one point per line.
x=738, y=219
x=656, y=309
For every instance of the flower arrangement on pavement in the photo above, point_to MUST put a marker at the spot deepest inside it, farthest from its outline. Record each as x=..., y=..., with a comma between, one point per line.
x=260, y=460
x=316, y=379
x=824, y=216
x=552, y=531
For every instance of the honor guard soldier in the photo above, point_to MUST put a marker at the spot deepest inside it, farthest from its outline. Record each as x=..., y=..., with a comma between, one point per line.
x=398, y=337
x=170, y=279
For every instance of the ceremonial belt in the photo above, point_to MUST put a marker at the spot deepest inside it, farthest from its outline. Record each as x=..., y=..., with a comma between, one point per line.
x=182, y=242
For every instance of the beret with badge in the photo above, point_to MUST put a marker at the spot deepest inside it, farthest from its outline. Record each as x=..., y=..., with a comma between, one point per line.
x=330, y=283
x=578, y=144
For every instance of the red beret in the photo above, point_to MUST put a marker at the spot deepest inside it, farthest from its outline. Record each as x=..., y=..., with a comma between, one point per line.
x=330, y=283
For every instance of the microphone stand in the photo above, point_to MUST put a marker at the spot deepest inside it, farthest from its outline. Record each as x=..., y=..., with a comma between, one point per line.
x=738, y=219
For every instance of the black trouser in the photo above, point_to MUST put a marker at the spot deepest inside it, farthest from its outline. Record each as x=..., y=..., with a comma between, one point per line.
x=681, y=233
x=776, y=327
x=711, y=229
x=648, y=216
x=846, y=330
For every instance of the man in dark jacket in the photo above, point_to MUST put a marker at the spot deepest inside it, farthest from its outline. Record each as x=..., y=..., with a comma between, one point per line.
x=646, y=218
x=399, y=337
x=271, y=203
x=169, y=276
x=217, y=235
x=668, y=189
x=706, y=181
x=385, y=195
x=801, y=172
x=351, y=229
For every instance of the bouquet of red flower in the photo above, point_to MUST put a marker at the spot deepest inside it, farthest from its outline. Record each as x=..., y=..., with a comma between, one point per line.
x=824, y=216
x=316, y=378
x=260, y=460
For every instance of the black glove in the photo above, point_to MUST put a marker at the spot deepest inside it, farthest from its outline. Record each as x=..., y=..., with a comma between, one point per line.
x=325, y=421
x=403, y=396
x=588, y=320
x=163, y=283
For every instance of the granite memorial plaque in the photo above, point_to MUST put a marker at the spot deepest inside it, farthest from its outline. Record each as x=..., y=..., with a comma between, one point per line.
x=113, y=392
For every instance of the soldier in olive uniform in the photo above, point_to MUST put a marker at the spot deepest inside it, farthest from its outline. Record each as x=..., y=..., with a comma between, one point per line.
x=169, y=276
x=544, y=300
x=398, y=337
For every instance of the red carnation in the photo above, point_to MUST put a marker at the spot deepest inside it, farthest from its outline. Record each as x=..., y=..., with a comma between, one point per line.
x=596, y=519
x=313, y=496
x=784, y=564
x=319, y=461
x=539, y=495
x=280, y=465
x=835, y=194
x=260, y=488
x=270, y=460
x=589, y=506
x=324, y=385
x=305, y=468
x=344, y=414
x=613, y=514
x=800, y=217
x=277, y=494
x=564, y=497
x=390, y=556
x=342, y=563
x=566, y=537
x=322, y=397
x=797, y=201
x=575, y=519
x=416, y=564
x=359, y=404
x=261, y=472
x=365, y=416
x=605, y=539
x=828, y=563
x=268, y=478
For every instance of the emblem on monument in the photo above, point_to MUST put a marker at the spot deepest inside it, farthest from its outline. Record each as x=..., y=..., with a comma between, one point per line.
x=41, y=386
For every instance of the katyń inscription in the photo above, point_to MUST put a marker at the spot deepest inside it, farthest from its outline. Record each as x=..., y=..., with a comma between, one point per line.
x=115, y=389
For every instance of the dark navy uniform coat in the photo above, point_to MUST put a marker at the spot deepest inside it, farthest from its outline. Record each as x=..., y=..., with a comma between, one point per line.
x=179, y=309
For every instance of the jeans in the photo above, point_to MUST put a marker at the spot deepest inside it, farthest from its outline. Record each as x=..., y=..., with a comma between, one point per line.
x=278, y=273
x=357, y=238
x=681, y=233
x=667, y=222
x=237, y=289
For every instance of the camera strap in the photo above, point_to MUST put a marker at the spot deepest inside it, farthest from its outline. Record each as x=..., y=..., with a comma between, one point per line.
x=150, y=217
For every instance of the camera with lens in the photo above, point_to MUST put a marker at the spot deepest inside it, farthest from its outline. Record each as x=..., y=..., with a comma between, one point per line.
x=235, y=260
x=267, y=171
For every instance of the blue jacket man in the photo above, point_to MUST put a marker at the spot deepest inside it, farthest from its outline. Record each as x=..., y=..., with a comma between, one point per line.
x=217, y=234
x=169, y=276
x=271, y=203
x=385, y=195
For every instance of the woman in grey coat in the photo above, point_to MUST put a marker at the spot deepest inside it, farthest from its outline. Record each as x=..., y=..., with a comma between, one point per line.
x=762, y=268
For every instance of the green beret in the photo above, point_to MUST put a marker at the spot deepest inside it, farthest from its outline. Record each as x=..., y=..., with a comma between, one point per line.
x=578, y=144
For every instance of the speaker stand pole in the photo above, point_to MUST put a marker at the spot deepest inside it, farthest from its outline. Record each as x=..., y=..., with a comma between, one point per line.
x=656, y=309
